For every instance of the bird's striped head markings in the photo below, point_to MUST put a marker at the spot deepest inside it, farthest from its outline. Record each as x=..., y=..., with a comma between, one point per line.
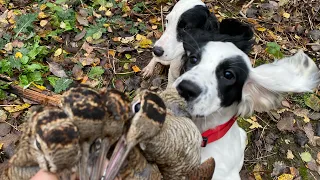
x=153, y=107
x=118, y=105
x=55, y=137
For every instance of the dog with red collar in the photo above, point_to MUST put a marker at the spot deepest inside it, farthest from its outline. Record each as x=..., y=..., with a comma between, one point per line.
x=218, y=82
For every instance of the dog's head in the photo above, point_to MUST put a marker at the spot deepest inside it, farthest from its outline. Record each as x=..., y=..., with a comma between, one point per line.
x=219, y=75
x=186, y=14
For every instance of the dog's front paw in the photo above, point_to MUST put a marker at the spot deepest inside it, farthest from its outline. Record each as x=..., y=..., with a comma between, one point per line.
x=147, y=72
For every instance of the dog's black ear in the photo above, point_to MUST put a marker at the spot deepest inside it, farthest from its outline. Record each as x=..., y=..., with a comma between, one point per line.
x=234, y=27
x=241, y=34
x=212, y=23
x=197, y=17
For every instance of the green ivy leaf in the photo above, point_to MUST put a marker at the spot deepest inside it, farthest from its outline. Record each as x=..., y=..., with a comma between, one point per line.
x=274, y=49
x=24, y=60
x=5, y=67
x=62, y=84
x=36, y=76
x=33, y=67
x=96, y=72
x=23, y=81
x=15, y=63
x=52, y=80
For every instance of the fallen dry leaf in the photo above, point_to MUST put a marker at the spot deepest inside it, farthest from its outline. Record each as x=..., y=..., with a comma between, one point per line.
x=290, y=154
x=17, y=108
x=286, y=177
x=58, y=52
x=136, y=69
x=87, y=47
x=82, y=20
x=79, y=36
x=57, y=69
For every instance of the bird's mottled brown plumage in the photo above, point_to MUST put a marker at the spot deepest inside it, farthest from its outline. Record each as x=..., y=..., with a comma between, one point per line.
x=53, y=139
x=172, y=143
x=50, y=141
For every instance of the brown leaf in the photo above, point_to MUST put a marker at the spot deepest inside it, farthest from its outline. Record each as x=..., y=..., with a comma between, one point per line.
x=119, y=85
x=17, y=44
x=79, y=36
x=87, y=47
x=286, y=123
x=82, y=20
x=89, y=61
x=310, y=133
x=57, y=70
x=77, y=72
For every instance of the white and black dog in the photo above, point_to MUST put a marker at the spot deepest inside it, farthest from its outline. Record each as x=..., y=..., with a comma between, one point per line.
x=219, y=84
x=168, y=50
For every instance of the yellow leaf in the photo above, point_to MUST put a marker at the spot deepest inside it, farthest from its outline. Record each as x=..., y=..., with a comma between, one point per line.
x=2, y=2
x=261, y=29
x=42, y=88
x=154, y=27
x=140, y=37
x=43, y=7
x=12, y=109
x=106, y=25
x=42, y=15
x=136, y=69
x=43, y=23
x=1, y=145
x=58, y=52
x=153, y=20
x=102, y=8
x=18, y=55
x=286, y=15
x=108, y=13
x=286, y=177
x=12, y=21
x=145, y=43
x=306, y=119
x=254, y=124
x=297, y=37
x=112, y=52
x=257, y=168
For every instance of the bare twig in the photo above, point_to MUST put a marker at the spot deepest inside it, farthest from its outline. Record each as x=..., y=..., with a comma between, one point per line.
x=162, y=19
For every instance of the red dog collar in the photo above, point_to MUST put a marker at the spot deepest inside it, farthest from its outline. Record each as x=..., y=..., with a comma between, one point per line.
x=218, y=132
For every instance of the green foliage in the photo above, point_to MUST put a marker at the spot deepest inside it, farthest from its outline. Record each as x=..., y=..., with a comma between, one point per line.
x=3, y=86
x=60, y=84
x=95, y=72
x=274, y=49
x=4, y=40
x=24, y=24
x=138, y=7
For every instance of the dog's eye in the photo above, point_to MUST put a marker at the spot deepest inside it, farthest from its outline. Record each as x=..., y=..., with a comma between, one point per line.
x=193, y=60
x=136, y=107
x=228, y=75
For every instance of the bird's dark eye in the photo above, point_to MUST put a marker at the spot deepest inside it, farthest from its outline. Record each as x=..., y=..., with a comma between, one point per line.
x=136, y=107
x=193, y=60
x=38, y=145
x=228, y=75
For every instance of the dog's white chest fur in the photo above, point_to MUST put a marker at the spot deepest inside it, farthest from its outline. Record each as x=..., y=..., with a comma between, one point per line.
x=228, y=153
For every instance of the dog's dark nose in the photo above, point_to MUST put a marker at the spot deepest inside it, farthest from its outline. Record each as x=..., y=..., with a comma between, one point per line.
x=188, y=90
x=158, y=51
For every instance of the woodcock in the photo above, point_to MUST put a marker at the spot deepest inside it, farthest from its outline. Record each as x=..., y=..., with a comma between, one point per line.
x=172, y=143
x=54, y=139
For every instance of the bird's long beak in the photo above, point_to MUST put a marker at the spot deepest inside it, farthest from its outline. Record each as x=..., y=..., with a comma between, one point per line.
x=97, y=170
x=119, y=155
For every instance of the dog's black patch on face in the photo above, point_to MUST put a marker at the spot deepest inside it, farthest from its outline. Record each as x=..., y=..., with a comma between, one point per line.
x=194, y=39
x=231, y=74
x=196, y=17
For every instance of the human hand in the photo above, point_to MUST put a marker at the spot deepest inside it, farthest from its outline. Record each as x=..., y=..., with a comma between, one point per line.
x=44, y=175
